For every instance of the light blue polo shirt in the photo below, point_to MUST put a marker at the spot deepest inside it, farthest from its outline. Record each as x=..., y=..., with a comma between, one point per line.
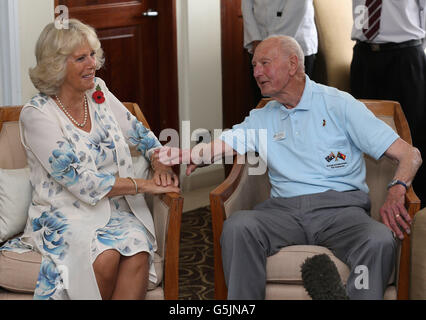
x=316, y=146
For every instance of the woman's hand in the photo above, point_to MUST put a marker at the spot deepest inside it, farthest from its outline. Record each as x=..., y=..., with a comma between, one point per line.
x=165, y=177
x=151, y=186
x=163, y=174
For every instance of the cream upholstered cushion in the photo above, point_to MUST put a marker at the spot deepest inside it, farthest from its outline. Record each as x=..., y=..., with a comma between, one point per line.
x=279, y=291
x=418, y=257
x=15, y=198
x=15, y=156
x=284, y=267
x=19, y=271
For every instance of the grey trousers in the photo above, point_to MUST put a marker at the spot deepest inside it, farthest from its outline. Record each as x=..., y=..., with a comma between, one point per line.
x=339, y=221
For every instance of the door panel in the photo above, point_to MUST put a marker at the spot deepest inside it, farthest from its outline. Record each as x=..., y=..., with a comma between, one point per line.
x=134, y=67
x=238, y=97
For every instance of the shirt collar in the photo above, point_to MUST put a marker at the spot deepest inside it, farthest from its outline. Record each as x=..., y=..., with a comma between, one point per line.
x=304, y=104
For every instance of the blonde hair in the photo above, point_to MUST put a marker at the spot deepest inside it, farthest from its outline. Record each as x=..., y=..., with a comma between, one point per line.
x=53, y=48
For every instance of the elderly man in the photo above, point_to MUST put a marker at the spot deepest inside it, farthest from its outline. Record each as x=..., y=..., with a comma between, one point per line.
x=313, y=201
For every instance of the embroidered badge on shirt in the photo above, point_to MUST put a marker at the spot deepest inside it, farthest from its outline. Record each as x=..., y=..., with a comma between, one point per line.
x=324, y=122
x=341, y=156
x=330, y=157
x=339, y=160
x=279, y=136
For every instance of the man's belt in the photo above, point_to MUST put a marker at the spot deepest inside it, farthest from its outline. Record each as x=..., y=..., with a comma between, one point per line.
x=389, y=45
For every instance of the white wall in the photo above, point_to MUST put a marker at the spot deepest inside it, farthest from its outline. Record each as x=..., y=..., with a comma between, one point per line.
x=1, y=92
x=10, y=76
x=33, y=17
x=200, y=77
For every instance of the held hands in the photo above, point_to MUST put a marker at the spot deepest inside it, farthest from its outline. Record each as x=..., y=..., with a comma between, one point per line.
x=151, y=186
x=393, y=212
x=164, y=176
x=171, y=156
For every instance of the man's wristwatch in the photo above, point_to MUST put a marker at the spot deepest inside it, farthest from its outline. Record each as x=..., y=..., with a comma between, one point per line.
x=395, y=182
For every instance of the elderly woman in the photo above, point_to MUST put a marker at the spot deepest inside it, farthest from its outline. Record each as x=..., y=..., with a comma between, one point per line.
x=88, y=217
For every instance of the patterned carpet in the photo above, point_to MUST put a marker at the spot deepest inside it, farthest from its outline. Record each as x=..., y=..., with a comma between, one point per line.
x=196, y=277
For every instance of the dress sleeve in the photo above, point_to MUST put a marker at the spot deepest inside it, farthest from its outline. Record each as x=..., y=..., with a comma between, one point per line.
x=57, y=154
x=135, y=133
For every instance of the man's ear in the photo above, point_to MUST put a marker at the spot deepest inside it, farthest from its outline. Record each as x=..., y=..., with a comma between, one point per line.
x=294, y=64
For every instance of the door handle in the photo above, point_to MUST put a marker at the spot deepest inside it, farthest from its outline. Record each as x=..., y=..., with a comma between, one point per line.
x=150, y=13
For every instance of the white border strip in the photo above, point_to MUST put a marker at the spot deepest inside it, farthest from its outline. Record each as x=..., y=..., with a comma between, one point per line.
x=10, y=75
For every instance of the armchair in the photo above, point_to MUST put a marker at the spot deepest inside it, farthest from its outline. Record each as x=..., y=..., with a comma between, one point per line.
x=18, y=272
x=241, y=191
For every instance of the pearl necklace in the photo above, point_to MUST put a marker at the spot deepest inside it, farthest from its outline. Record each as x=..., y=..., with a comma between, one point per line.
x=81, y=125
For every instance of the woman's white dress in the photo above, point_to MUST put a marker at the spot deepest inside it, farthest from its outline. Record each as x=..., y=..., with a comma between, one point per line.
x=71, y=221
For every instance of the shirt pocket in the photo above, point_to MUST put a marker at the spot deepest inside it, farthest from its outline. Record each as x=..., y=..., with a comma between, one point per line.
x=335, y=160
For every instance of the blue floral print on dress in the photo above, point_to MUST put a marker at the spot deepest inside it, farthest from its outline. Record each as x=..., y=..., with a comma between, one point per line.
x=100, y=137
x=39, y=100
x=139, y=136
x=64, y=164
x=16, y=245
x=49, y=279
x=53, y=225
x=119, y=230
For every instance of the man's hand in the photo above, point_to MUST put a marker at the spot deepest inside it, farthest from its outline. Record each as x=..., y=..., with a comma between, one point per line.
x=203, y=154
x=393, y=212
x=192, y=157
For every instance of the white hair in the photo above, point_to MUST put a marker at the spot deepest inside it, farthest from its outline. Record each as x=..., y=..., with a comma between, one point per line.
x=290, y=46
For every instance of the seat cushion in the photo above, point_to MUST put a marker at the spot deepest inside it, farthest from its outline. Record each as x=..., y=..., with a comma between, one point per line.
x=284, y=266
x=19, y=271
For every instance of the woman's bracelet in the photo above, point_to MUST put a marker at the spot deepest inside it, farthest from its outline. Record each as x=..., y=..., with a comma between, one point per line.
x=134, y=182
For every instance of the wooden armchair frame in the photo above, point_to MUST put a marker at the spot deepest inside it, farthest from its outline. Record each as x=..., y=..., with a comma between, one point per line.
x=221, y=194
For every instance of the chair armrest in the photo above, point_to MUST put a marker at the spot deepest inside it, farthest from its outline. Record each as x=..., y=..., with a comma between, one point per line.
x=167, y=216
x=412, y=204
x=241, y=190
x=418, y=257
x=217, y=199
x=238, y=191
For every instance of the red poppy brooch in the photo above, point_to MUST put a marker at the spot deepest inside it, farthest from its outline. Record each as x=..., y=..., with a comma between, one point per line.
x=98, y=95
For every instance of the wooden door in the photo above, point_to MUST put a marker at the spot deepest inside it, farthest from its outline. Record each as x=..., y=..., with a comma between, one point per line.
x=238, y=97
x=139, y=40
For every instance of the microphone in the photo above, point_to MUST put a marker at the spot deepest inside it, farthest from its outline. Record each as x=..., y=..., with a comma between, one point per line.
x=321, y=279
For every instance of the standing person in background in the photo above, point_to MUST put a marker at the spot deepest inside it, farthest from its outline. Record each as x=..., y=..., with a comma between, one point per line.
x=389, y=62
x=295, y=18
